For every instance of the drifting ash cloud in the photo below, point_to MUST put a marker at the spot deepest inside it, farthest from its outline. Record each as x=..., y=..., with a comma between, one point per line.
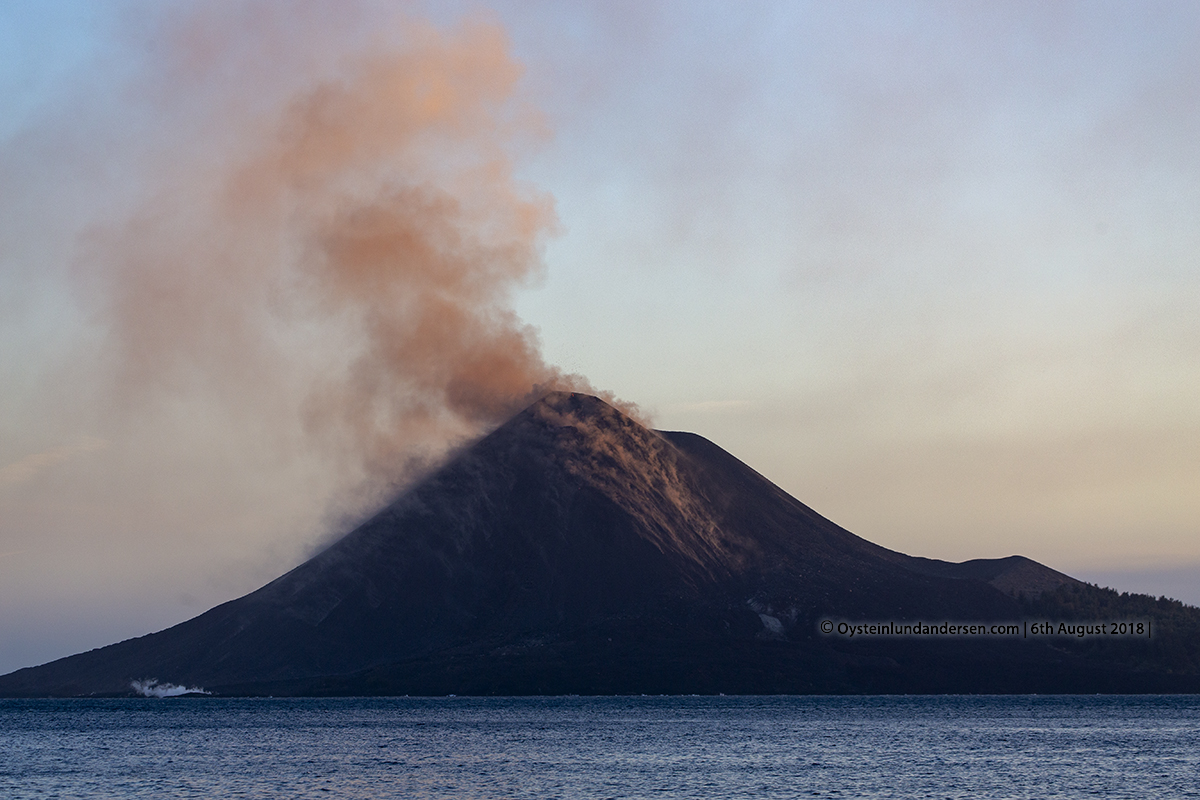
x=30, y=466
x=328, y=231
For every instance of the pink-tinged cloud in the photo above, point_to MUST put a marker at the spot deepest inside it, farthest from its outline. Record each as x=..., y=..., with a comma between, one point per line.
x=372, y=204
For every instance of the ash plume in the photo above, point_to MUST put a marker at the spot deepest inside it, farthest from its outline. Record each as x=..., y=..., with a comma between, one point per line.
x=326, y=229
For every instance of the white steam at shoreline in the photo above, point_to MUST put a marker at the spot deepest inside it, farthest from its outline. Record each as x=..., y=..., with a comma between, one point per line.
x=150, y=687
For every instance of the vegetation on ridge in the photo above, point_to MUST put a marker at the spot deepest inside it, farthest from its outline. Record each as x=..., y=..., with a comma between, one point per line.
x=1175, y=627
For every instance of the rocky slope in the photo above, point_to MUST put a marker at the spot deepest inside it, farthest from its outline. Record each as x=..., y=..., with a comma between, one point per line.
x=575, y=551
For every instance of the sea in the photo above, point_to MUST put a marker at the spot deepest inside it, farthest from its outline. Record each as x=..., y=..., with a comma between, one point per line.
x=603, y=747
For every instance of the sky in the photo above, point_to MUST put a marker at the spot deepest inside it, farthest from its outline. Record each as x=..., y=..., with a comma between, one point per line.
x=930, y=267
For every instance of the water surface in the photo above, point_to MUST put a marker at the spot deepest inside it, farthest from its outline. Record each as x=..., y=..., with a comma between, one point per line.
x=615, y=747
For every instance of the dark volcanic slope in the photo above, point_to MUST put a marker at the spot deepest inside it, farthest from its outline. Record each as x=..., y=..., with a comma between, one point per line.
x=573, y=550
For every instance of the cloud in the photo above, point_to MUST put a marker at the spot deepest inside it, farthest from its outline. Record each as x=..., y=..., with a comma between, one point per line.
x=331, y=249
x=32, y=465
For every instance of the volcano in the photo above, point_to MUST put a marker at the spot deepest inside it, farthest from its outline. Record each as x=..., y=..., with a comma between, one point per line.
x=574, y=551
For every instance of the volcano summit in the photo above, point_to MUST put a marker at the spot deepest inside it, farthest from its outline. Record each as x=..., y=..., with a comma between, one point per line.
x=573, y=550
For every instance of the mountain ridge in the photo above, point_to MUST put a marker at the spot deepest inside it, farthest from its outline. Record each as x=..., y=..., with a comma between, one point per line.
x=574, y=536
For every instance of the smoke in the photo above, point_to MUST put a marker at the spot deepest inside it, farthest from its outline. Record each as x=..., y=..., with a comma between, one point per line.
x=152, y=688
x=29, y=466
x=327, y=230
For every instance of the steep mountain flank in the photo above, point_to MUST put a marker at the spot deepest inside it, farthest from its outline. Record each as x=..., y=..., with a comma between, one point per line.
x=573, y=550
